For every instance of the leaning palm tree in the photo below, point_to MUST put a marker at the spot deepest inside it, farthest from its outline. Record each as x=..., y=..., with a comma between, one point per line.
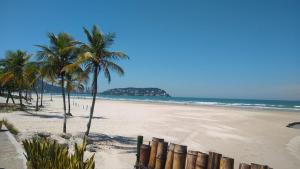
x=15, y=62
x=61, y=52
x=96, y=57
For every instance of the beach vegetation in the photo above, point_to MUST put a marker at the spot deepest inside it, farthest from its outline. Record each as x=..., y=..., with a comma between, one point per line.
x=48, y=154
x=11, y=128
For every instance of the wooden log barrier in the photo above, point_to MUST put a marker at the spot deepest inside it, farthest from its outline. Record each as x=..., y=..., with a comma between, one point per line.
x=214, y=160
x=153, y=151
x=170, y=155
x=244, y=166
x=161, y=155
x=144, y=155
x=202, y=160
x=258, y=166
x=191, y=160
x=226, y=163
x=179, y=156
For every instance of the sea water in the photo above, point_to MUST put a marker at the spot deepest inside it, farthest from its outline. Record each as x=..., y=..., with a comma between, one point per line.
x=246, y=103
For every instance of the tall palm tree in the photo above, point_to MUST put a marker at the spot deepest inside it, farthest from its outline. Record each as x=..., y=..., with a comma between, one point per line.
x=61, y=52
x=15, y=62
x=96, y=57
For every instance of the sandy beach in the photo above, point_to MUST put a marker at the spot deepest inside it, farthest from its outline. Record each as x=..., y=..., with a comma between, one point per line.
x=247, y=135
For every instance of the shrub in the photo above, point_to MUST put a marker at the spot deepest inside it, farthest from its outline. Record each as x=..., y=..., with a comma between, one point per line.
x=11, y=128
x=42, y=153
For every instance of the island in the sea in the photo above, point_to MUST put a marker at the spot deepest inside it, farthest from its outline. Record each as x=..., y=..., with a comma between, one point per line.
x=132, y=91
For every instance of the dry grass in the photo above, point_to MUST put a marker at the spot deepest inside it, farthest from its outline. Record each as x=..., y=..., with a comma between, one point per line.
x=11, y=128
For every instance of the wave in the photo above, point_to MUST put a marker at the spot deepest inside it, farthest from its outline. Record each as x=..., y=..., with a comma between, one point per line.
x=257, y=104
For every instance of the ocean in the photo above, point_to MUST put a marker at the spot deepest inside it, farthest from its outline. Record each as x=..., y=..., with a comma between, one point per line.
x=246, y=103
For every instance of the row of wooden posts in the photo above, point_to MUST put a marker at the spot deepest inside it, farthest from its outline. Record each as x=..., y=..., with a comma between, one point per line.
x=161, y=155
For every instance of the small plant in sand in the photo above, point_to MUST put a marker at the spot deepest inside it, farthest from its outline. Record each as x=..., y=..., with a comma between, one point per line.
x=47, y=154
x=11, y=128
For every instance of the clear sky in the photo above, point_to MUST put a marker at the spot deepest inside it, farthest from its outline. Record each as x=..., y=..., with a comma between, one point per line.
x=224, y=49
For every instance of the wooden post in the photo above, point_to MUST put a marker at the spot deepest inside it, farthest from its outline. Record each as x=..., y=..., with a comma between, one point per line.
x=139, y=143
x=179, y=156
x=202, y=160
x=153, y=151
x=170, y=155
x=191, y=160
x=244, y=166
x=161, y=155
x=227, y=163
x=214, y=160
x=144, y=155
x=258, y=166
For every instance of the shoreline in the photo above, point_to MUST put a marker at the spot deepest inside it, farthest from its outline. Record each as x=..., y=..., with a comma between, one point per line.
x=250, y=108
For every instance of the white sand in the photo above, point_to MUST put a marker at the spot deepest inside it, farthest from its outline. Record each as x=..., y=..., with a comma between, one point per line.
x=247, y=135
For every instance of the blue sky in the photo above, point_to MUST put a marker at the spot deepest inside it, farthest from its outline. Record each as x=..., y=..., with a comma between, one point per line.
x=225, y=49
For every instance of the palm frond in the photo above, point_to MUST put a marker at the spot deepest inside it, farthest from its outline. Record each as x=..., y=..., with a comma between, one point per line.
x=113, y=66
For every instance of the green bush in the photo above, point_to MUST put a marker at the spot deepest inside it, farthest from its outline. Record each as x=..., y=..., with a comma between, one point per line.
x=42, y=153
x=11, y=128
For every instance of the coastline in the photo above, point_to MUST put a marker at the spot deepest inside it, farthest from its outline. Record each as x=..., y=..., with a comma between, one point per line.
x=247, y=135
x=159, y=102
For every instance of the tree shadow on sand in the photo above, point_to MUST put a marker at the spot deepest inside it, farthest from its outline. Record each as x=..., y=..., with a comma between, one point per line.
x=126, y=144
x=47, y=116
x=94, y=117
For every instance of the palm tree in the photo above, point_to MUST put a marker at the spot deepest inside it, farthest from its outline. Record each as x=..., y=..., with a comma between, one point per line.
x=75, y=82
x=48, y=72
x=15, y=62
x=96, y=57
x=6, y=83
x=61, y=52
x=32, y=74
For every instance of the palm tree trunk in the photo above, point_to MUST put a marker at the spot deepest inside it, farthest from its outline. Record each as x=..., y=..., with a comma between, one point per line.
x=94, y=93
x=26, y=95
x=69, y=105
x=37, y=100
x=7, y=99
x=42, y=92
x=51, y=91
x=64, y=102
x=9, y=93
x=20, y=97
